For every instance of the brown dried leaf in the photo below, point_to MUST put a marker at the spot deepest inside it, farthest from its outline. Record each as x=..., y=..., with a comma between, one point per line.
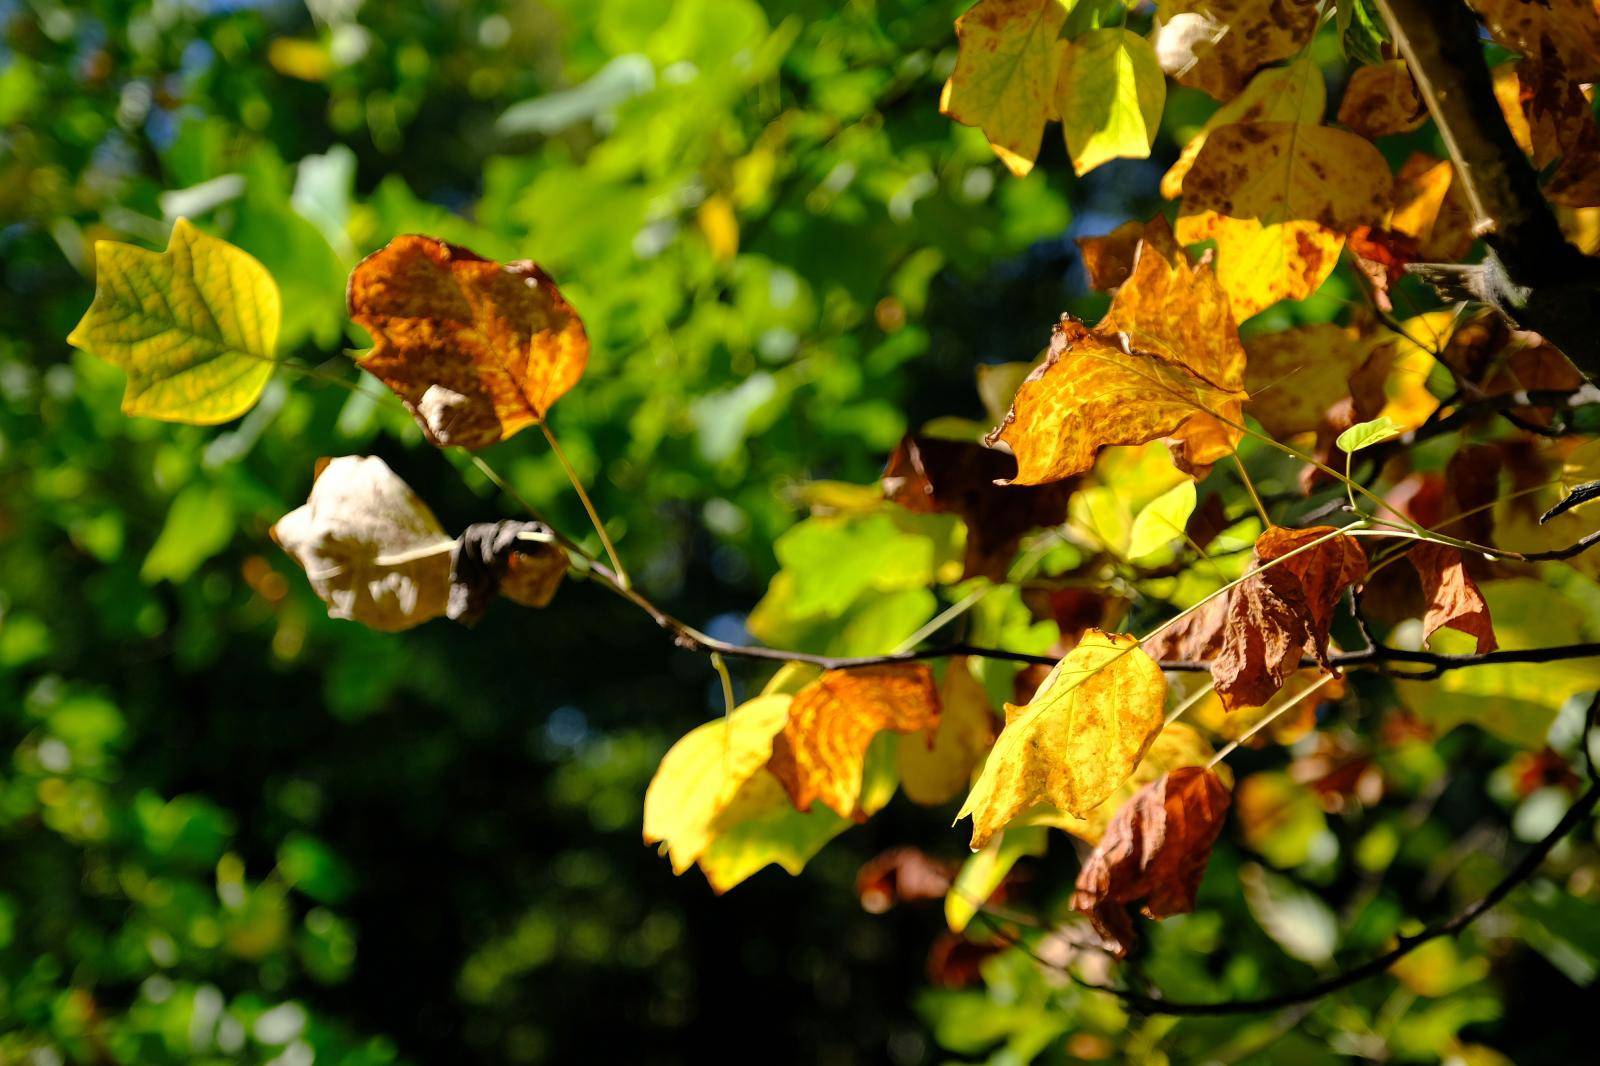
x=1108, y=260
x=1091, y=392
x=1570, y=26
x=476, y=350
x=821, y=752
x=371, y=549
x=1155, y=849
x=927, y=474
x=1382, y=100
x=902, y=875
x=1453, y=597
x=1215, y=45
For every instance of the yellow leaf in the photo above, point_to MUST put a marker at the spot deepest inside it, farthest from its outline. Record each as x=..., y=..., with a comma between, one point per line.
x=760, y=828
x=1295, y=375
x=1079, y=738
x=702, y=773
x=1161, y=521
x=1215, y=45
x=1293, y=93
x=371, y=549
x=1091, y=392
x=822, y=749
x=1394, y=382
x=1005, y=74
x=1381, y=100
x=936, y=765
x=476, y=350
x=1110, y=94
x=1278, y=198
x=982, y=873
x=195, y=327
x=720, y=226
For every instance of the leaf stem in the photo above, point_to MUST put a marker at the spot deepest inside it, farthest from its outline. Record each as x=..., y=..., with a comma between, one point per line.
x=588, y=506
x=1255, y=498
x=1269, y=719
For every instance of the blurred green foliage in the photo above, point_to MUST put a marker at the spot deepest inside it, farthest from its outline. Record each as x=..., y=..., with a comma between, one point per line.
x=233, y=830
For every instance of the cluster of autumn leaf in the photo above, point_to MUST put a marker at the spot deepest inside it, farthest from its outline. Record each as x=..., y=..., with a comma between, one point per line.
x=478, y=350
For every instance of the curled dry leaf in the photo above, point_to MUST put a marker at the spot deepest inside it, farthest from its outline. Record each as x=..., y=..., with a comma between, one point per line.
x=1571, y=27
x=936, y=764
x=518, y=560
x=477, y=350
x=1381, y=100
x=902, y=875
x=926, y=474
x=1077, y=740
x=1092, y=391
x=1452, y=595
x=1156, y=850
x=1108, y=259
x=371, y=549
x=1005, y=75
x=1215, y=45
x=821, y=752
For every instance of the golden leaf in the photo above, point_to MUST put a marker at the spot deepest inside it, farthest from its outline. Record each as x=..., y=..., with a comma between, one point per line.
x=1292, y=93
x=1155, y=849
x=477, y=350
x=1296, y=374
x=195, y=327
x=937, y=764
x=1091, y=392
x=1215, y=45
x=1077, y=740
x=371, y=549
x=1381, y=100
x=1260, y=263
x=1005, y=75
x=822, y=750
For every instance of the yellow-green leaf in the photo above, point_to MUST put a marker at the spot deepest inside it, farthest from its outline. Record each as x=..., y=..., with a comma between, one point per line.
x=1110, y=94
x=195, y=327
x=1077, y=740
x=1161, y=521
x=982, y=873
x=1366, y=434
x=1005, y=75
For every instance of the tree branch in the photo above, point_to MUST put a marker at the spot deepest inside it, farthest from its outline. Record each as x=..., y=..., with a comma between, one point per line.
x=1531, y=275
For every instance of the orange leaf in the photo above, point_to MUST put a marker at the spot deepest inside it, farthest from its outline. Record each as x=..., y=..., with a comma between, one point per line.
x=821, y=752
x=477, y=350
x=1155, y=849
x=1453, y=597
x=1108, y=260
x=1382, y=100
x=1092, y=391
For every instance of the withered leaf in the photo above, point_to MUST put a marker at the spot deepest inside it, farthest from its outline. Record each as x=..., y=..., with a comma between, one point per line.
x=1092, y=391
x=1155, y=849
x=477, y=350
x=1571, y=27
x=926, y=474
x=1453, y=596
x=1215, y=45
x=1561, y=127
x=371, y=549
x=902, y=875
x=1108, y=259
x=518, y=560
x=1381, y=100
x=821, y=751
x=1077, y=740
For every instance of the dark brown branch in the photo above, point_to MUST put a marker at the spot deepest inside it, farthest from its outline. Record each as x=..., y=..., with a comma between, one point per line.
x=1455, y=924
x=1531, y=275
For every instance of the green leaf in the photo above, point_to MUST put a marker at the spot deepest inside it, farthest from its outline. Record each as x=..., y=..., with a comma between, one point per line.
x=1161, y=521
x=1362, y=33
x=982, y=873
x=195, y=326
x=1366, y=434
x=1110, y=94
x=199, y=525
x=1300, y=922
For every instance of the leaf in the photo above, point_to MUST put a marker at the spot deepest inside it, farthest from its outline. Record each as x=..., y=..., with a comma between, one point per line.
x=1277, y=197
x=1215, y=45
x=476, y=350
x=1077, y=740
x=195, y=327
x=1362, y=33
x=1161, y=521
x=1561, y=128
x=1381, y=100
x=926, y=474
x=1301, y=923
x=703, y=772
x=1155, y=849
x=936, y=765
x=1279, y=818
x=1295, y=375
x=371, y=549
x=901, y=875
x=1110, y=92
x=1292, y=93
x=1571, y=27
x=1005, y=75
x=821, y=752
x=518, y=560
x=759, y=828
x=1366, y=434
x=1454, y=599
x=983, y=873
x=1108, y=259
x=1283, y=611
x=1091, y=392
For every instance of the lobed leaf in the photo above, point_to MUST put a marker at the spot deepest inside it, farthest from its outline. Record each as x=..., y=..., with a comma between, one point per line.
x=1005, y=75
